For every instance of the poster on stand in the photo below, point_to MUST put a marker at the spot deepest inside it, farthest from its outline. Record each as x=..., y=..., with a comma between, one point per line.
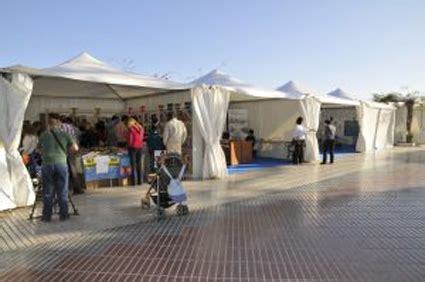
x=238, y=123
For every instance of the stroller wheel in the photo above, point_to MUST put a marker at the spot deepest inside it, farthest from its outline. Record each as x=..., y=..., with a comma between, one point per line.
x=182, y=210
x=146, y=203
x=179, y=210
x=161, y=213
x=185, y=210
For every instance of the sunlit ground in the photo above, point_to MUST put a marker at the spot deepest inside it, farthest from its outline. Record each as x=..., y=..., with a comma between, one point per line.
x=354, y=219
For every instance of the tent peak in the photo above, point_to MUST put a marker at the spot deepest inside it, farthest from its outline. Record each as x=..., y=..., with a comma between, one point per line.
x=84, y=58
x=339, y=93
x=294, y=87
x=217, y=76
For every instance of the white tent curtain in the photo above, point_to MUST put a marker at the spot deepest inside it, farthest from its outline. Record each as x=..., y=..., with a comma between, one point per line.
x=310, y=106
x=368, y=119
x=377, y=125
x=210, y=106
x=15, y=184
x=400, y=131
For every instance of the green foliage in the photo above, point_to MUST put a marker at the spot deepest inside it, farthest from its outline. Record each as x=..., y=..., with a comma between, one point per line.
x=388, y=97
x=409, y=99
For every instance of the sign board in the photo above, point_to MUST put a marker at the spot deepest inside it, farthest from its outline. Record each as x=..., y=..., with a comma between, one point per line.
x=351, y=128
x=238, y=123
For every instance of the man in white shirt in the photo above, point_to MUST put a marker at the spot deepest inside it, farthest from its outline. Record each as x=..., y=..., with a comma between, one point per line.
x=175, y=134
x=298, y=139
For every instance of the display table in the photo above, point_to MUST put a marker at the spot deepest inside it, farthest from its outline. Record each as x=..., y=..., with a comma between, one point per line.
x=106, y=168
x=238, y=152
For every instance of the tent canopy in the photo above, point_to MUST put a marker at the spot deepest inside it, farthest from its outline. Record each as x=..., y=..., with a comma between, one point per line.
x=326, y=100
x=339, y=93
x=87, y=77
x=240, y=90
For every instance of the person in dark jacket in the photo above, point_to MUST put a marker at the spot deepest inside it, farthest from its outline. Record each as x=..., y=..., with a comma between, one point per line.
x=154, y=141
x=329, y=143
x=251, y=138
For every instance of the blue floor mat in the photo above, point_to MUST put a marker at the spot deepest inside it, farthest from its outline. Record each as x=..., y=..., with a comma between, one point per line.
x=258, y=164
x=264, y=163
x=341, y=152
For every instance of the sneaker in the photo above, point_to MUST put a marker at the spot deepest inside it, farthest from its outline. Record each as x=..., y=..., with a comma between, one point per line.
x=46, y=219
x=63, y=218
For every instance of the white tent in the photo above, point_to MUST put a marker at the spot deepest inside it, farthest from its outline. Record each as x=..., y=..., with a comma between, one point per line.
x=15, y=185
x=242, y=91
x=269, y=111
x=85, y=83
x=376, y=120
x=87, y=77
x=82, y=77
x=339, y=93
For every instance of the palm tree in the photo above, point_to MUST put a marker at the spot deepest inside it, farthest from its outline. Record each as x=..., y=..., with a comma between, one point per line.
x=409, y=99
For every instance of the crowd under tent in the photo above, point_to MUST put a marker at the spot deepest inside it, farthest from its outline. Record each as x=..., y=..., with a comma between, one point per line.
x=220, y=92
x=85, y=77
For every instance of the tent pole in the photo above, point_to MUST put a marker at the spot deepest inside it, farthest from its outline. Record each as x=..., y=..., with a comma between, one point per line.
x=115, y=92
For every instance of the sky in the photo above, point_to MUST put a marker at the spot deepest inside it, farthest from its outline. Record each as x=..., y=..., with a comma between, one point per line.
x=360, y=46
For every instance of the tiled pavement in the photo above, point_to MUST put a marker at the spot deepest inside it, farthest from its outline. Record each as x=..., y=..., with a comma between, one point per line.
x=360, y=220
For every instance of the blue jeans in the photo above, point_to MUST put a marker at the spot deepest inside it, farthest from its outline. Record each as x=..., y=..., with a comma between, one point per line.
x=55, y=181
x=137, y=157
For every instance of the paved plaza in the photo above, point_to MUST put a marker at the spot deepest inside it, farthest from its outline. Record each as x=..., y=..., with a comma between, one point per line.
x=362, y=219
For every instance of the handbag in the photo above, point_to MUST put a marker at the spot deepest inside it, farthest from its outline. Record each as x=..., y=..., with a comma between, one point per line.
x=175, y=188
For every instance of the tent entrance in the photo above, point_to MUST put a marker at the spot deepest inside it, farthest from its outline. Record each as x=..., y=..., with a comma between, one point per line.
x=347, y=128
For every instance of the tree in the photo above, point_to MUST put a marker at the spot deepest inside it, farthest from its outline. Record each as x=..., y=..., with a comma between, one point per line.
x=409, y=99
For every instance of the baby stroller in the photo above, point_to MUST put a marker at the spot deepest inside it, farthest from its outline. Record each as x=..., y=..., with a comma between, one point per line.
x=170, y=168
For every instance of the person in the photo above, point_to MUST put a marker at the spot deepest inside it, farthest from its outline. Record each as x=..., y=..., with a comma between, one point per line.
x=154, y=141
x=112, y=137
x=121, y=131
x=88, y=138
x=329, y=141
x=54, y=144
x=29, y=149
x=175, y=134
x=135, y=150
x=251, y=138
x=69, y=127
x=225, y=136
x=101, y=133
x=37, y=127
x=298, y=139
x=74, y=179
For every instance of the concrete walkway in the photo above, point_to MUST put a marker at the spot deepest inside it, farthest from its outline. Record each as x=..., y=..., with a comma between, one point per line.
x=360, y=219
